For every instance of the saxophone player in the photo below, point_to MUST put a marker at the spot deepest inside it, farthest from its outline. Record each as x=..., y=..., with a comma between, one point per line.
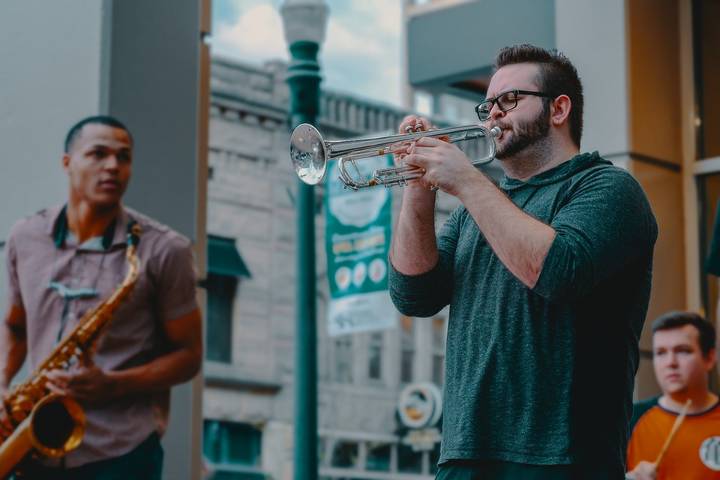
x=63, y=261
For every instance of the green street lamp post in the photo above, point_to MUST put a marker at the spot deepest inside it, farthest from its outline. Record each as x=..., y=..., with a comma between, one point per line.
x=304, y=23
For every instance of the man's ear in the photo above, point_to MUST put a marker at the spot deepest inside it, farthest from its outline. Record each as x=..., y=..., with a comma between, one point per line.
x=560, y=110
x=710, y=359
x=65, y=161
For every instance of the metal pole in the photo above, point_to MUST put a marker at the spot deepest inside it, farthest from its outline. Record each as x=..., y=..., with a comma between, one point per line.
x=304, y=82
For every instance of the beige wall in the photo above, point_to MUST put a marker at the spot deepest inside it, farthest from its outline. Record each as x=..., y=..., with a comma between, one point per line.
x=655, y=152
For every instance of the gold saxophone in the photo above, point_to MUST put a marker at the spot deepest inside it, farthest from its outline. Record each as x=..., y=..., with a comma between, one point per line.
x=50, y=424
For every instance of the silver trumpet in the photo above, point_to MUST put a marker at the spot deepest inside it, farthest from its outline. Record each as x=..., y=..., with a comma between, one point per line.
x=310, y=154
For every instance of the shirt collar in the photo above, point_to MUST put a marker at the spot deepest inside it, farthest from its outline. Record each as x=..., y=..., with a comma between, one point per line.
x=114, y=234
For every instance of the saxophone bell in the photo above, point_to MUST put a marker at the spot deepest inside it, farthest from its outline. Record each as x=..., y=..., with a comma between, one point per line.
x=54, y=427
x=58, y=426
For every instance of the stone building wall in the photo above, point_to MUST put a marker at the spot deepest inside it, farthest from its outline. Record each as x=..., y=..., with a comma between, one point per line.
x=251, y=199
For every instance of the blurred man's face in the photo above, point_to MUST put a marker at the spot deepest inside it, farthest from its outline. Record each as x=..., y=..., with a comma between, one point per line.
x=679, y=363
x=99, y=165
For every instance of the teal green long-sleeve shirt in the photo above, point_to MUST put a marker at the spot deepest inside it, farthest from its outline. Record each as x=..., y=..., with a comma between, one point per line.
x=545, y=375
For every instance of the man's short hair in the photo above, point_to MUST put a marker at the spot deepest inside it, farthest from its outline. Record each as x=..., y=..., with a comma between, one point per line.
x=558, y=76
x=75, y=130
x=672, y=320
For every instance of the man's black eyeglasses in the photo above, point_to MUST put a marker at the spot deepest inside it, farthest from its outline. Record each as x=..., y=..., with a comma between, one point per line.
x=505, y=101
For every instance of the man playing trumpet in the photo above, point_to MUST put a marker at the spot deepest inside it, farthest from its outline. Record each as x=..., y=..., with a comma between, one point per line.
x=548, y=280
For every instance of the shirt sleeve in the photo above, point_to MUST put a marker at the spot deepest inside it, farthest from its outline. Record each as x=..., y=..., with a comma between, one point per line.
x=426, y=294
x=14, y=296
x=605, y=224
x=712, y=262
x=175, y=277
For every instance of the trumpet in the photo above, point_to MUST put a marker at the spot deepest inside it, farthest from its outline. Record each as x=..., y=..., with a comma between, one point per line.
x=310, y=154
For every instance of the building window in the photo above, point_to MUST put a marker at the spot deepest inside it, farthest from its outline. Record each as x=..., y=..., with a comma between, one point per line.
x=378, y=457
x=391, y=458
x=438, y=350
x=407, y=349
x=225, y=267
x=424, y=103
x=345, y=454
x=409, y=461
x=220, y=300
x=232, y=450
x=709, y=206
x=375, y=356
x=343, y=360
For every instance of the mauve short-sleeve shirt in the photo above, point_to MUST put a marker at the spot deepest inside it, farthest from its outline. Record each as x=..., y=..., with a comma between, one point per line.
x=165, y=290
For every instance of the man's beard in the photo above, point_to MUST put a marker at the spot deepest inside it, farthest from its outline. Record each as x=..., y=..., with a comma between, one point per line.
x=526, y=135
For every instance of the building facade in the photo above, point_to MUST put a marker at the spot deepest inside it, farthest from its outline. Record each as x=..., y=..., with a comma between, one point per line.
x=248, y=403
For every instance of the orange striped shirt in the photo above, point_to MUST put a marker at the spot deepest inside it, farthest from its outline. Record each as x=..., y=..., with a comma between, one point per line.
x=694, y=452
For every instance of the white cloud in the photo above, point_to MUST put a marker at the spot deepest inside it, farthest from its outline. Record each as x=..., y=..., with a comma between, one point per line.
x=360, y=55
x=360, y=58
x=256, y=36
x=384, y=14
x=341, y=41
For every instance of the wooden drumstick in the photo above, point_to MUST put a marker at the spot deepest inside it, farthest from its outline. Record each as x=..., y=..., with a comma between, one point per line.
x=673, y=431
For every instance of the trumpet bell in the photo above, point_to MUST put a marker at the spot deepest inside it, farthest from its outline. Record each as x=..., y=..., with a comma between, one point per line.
x=308, y=154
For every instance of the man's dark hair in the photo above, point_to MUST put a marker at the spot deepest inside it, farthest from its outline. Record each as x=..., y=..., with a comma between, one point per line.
x=75, y=130
x=558, y=76
x=671, y=320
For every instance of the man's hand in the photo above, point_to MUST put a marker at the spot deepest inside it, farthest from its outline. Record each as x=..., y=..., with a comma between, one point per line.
x=87, y=384
x=13, y=347
x=411, y=124
x=643, y=471
x=445, y=165
x=6, y=427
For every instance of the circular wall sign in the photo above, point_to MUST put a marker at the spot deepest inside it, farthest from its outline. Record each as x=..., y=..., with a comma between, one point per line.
x=420, y=405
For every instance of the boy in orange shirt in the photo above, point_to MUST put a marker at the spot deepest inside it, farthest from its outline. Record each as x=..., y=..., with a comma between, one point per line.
x=683, y=355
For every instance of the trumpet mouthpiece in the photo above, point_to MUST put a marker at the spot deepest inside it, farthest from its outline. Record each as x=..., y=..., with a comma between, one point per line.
x=495, y=131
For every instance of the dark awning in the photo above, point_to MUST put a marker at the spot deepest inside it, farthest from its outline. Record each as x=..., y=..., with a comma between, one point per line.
x=485, y=27
x=224, y=258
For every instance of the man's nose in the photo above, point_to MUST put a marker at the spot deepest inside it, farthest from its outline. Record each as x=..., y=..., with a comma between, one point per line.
x=495, y=112
x=111, y=162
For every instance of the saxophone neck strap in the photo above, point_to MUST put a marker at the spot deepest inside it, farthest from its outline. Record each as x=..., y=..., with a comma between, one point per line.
x=61, y=231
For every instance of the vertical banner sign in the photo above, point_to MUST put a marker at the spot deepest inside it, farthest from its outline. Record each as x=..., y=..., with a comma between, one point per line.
x=357, y=241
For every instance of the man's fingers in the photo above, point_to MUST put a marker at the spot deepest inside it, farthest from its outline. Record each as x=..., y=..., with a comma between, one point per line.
x=417, y=159
x=407, y=123
x=414, y=123
x=56, y=389
x=430, y=142
x=6, y=426
x=58, y=378
x=58, y=375
x=6, y=430
x=86, y=361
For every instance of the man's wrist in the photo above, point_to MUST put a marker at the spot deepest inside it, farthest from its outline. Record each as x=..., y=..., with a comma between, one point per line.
x=117, y=383
x=419, y=192
x=470, y=183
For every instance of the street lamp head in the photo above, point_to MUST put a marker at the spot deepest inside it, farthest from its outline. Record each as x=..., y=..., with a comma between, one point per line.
x=304, y=20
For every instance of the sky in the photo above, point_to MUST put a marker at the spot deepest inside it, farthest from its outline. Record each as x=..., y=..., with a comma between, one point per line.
x=360, y=55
